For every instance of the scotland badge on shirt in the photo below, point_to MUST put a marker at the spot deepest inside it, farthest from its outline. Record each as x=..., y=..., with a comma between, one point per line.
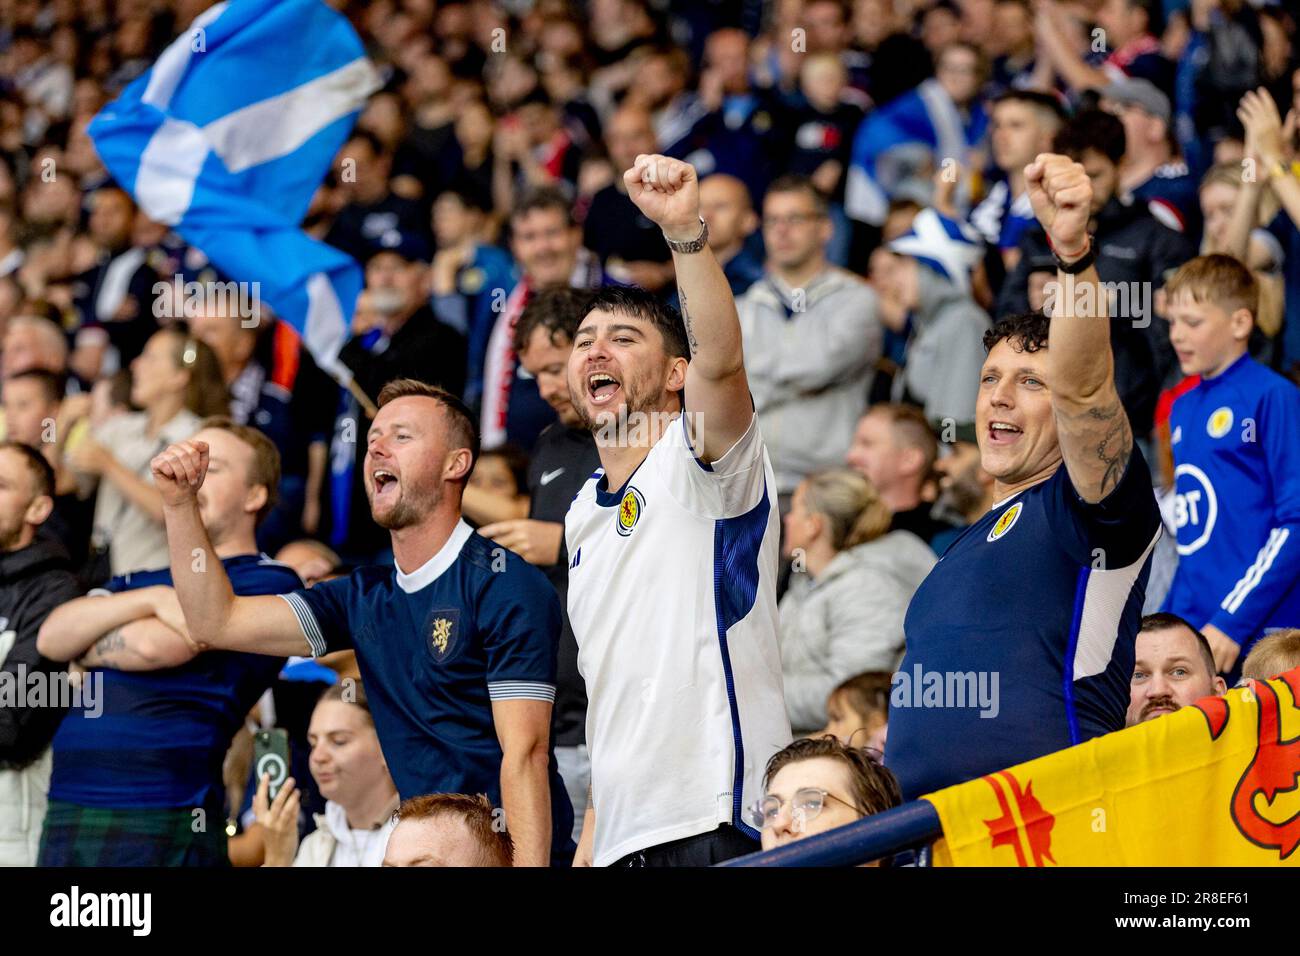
x=629, y=511
x=1220, y=423
x=444, y=632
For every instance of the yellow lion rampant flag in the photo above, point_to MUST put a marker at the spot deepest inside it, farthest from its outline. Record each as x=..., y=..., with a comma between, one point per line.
x=1214, y=784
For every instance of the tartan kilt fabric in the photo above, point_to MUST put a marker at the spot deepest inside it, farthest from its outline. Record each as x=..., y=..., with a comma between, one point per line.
x=98, y=836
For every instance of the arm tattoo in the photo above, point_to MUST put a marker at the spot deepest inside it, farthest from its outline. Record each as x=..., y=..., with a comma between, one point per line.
x=106, y=646
x=1115, y=444
x=686, y=320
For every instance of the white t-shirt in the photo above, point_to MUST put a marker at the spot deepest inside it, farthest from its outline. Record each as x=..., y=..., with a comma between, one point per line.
x=672, y=597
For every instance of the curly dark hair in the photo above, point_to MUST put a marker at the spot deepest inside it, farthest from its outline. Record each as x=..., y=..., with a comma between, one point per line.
x=558, y=311
x=875, y=788
x=1027, y=329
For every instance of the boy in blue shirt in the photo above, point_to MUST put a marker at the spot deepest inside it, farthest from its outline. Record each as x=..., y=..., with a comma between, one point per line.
x=1236, y=446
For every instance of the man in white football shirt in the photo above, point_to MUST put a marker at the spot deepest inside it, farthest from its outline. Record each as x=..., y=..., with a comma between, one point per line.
x=672, y=549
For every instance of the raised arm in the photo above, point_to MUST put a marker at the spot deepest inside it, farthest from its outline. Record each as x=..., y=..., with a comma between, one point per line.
x=1245, y=217
x=1092, y=426
x=214, y=615
x=92, y=458
x=1270, y=136
x=717, y=392
x=1056, y=46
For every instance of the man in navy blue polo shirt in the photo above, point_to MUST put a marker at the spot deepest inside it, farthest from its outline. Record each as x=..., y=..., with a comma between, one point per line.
x=457, y=644
x=140, y=783
x=1020, y=641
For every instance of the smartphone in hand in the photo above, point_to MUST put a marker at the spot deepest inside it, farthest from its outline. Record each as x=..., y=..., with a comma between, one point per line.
x=271, y=757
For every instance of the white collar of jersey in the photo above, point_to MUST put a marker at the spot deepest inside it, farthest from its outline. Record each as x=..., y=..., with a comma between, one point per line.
x=432, y=569
x=1005, y=501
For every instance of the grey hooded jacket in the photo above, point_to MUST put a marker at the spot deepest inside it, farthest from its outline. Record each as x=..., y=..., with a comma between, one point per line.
x=946, y=352
x=809, y=354
x=847, y=620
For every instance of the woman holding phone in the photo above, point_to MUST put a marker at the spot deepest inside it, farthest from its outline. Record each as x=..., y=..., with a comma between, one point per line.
x=350, y=771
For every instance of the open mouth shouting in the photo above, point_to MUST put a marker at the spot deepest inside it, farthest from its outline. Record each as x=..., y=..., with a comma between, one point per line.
x=1004, y=433
x=603, y=389
x=384, y=483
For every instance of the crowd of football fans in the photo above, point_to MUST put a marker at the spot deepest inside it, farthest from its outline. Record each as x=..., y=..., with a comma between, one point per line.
x=861, y=174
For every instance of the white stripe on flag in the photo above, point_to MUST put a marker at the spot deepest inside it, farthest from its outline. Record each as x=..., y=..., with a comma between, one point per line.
x=864, y=200
x=275, y=127
x=169, y=165
x=175, y=60
x=326, y=326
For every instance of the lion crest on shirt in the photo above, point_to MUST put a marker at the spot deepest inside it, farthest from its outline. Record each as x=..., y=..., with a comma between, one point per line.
x=443, y=632
x=629, y=511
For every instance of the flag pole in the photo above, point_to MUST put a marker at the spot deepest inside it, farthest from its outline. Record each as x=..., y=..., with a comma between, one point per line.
x=362, y=398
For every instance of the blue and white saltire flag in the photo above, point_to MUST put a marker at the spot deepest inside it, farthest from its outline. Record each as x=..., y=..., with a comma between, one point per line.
x=226, y=139
x=906, y=136
x=949, y=247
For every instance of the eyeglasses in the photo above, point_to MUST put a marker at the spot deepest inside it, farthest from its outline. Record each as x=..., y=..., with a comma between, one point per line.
x=794, y=219
x=804, y=807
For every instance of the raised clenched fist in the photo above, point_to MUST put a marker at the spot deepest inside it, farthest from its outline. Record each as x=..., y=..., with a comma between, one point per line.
x=179, y=470
x=667, y=191
x=1061, y=195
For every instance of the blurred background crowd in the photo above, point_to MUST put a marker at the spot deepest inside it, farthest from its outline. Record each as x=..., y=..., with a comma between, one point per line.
x=861, y=166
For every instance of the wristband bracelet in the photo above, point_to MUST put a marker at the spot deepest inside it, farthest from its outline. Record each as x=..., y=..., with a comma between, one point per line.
x=1073, y=266
x=691, y=245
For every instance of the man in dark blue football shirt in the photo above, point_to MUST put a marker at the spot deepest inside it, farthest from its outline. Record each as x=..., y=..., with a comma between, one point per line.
x=1020, y=641
x=456, y=645
x=140, y=783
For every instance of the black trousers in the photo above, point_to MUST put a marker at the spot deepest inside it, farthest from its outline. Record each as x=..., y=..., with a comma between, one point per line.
x=704, y=849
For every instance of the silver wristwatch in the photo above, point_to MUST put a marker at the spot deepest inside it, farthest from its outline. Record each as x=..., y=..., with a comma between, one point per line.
x=692, y=245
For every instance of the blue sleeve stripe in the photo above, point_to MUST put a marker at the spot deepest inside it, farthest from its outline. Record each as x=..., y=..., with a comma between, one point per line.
x=307, y=621
x=521, y=690
x=1255, y=573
